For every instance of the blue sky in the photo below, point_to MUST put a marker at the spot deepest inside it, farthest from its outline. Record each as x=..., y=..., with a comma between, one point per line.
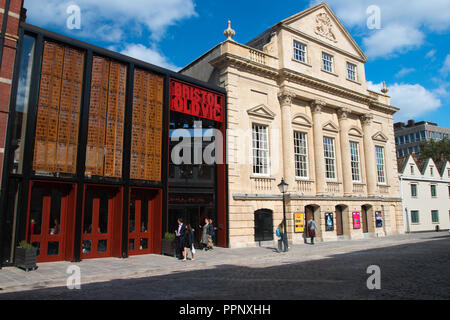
x=411, y=50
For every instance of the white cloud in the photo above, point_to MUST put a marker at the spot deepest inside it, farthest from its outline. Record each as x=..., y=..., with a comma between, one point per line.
x=393, y=39
x=404, y=23
x=446, y=67
x=404, y=71
x=412, y=99
x=151, y=55
x=114, y=16
x=431, y=54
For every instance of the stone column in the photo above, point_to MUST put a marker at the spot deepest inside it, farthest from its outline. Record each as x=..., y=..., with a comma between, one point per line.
x=285, y=98
x=319, y=160
x=369, y=155
x=344, y=127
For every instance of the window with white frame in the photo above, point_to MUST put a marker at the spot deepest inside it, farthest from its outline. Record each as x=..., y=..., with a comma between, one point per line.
x=260, y=150
x=301, y=154
x=330, y=158
x=299, y=51
x=327, y=62
x=355, y=162
x=351, y=71
x=381, y=168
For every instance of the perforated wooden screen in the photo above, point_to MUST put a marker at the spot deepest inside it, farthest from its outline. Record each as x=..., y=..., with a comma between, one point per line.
x=106, y=118
x=58, y=110
x=146, y=141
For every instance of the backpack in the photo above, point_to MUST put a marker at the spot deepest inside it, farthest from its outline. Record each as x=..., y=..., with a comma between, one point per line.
x=278, y=233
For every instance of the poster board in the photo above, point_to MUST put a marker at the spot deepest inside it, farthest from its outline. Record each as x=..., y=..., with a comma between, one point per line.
x=329, y=221
x=356, y=220
x=299, y=222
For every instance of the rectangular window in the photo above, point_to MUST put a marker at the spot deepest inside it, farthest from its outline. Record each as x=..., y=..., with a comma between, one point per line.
x=417, y=136
x=299, y=51
x=396, y=141
x=330, y=158
x=412, y=137
x=414, y=216
x=402, y=140
x=434, y=216
x=406, y=139
x=414, y=190
x=355, y=164
x=448, y=173
x=423, y=135
x=431, y=171
x=260, y=150
x=327, y=62
x=351, y=71
x=412, y=170
x=433, y=191
x=381, y=170
x=301, y=154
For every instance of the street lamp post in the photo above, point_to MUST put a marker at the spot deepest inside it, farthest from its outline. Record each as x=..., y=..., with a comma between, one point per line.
x=283, y=186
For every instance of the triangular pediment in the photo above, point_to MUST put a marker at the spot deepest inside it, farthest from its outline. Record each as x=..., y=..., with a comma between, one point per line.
x=320, y=22
x=330, y=126
x=261, y=111
x=380, y=136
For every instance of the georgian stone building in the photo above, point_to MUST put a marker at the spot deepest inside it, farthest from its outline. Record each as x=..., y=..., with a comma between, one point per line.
x=299, y=109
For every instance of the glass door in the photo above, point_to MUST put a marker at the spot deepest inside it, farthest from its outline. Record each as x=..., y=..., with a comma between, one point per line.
x=49, y=208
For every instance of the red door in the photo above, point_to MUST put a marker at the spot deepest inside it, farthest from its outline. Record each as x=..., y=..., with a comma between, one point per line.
x=51, y=211
x=101, y=219
x=144, y=222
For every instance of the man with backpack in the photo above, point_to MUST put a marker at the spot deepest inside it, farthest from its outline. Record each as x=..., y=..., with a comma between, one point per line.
x=282, y=241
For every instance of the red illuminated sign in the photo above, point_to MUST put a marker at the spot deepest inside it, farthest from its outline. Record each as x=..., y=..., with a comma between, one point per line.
x=195, y=101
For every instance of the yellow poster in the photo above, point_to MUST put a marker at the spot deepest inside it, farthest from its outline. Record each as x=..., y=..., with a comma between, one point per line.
x=299, y=222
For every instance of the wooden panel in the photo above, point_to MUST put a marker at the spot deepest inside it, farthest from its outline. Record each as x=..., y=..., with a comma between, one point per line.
x=106, y=118
x=58, y=111
x=147, y=127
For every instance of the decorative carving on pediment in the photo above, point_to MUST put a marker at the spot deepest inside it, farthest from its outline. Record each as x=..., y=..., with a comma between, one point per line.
x=324, y=27
x=261, y=111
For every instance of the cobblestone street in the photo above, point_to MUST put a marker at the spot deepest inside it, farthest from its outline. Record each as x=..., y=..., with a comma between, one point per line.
x=412, y=267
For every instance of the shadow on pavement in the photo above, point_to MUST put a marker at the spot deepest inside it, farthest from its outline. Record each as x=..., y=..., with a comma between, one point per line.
x=410, y=271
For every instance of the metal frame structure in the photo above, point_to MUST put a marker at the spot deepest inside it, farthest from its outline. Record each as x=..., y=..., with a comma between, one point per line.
x=11, y=181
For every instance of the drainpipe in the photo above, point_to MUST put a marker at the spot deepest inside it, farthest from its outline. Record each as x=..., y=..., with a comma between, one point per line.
x=404, y=209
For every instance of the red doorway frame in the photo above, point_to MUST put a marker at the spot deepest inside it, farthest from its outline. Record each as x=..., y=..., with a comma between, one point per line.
x=67, y=224
x=154, y=233
x=114, y=235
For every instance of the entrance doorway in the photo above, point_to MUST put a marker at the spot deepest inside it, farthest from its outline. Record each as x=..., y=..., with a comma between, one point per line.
x=144, y=221
x=339, y=223
x=193, y=215
x=102, y=214
x=364, y=221
x=263, y=225
x=51, y=211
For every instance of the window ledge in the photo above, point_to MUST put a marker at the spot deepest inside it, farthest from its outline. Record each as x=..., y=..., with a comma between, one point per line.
x=253, y=177
x=302, y=62
x=354, y=81
x=332, y=73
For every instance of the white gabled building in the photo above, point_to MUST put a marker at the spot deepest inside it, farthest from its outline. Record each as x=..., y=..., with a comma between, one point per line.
x=425, y=188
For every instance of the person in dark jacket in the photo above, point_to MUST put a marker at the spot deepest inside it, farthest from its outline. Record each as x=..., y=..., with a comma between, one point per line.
x=189, y=242
x=180, y=233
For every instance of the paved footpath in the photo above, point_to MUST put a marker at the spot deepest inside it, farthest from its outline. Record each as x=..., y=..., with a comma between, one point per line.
x=412, y=266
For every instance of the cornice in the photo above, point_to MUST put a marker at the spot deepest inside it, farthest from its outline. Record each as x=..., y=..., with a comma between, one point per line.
x=229, y=59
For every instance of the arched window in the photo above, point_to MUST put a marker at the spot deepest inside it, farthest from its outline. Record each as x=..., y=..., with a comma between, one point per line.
x=264, y=225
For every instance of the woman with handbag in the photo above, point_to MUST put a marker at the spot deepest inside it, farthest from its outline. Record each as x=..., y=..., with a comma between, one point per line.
x=312, y=227
x=189, y=242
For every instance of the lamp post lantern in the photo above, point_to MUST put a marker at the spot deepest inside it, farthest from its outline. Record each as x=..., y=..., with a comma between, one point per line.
x=283, y=186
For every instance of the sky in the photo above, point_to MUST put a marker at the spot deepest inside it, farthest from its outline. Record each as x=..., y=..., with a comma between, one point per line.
x=407, y=42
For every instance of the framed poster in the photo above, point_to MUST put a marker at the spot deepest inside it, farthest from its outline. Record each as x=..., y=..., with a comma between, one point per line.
x=329, y=222
x=379, y=219
x=356, y=220
x=299, y=222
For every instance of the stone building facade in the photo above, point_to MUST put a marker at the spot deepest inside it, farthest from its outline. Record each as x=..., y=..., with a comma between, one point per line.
x=299, y=109
x=425, y=188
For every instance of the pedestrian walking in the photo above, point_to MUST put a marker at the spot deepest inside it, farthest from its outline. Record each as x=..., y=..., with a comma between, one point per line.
x=282, y=242
x=211, y=234
x=180, y=233
x=204, y=241
x=189, y=242
x=312, y=227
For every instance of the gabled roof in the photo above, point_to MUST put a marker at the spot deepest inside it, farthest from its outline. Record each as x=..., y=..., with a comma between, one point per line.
x=309, y=11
